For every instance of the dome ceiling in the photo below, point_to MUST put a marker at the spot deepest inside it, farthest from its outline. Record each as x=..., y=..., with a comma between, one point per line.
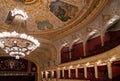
x=51, y=16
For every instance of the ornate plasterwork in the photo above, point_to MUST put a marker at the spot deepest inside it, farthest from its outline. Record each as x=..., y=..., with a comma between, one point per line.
x=40, y=11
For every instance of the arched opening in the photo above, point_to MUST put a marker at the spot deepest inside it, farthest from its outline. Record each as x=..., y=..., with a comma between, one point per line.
x=12, y=69
x=111, y=40
x=112, y=36
x=90, y=43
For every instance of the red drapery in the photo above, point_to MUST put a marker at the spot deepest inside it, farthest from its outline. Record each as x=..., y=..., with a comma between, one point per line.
x=81, y=73
x=102, y=71
x=77, y=51
x=72, y=76
x=90, y=73
x=65, y=56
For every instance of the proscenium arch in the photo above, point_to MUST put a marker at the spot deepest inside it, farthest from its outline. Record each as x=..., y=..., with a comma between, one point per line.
x=31, y=59
x=47, y=45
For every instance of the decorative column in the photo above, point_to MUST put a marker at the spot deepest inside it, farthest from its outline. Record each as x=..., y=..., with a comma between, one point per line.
x=85, y=71
x=109, y=67
x=63, y=73
x=59, y=56
x=84, y=48
x=52, y=74
x=76, y=72
x=96, y=71
x=70, y=55
x=46, y=74
x=58, y=73
x=69, y=73
x=42, y=74
x=102, y=39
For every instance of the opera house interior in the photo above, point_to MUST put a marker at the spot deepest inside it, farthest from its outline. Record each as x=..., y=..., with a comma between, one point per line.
x=59, y=40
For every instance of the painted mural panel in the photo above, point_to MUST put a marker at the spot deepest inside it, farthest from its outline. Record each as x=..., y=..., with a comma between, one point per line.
x=43, y=25
x=63, y=10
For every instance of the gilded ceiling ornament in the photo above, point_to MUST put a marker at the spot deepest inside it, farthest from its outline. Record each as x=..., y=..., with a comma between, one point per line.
x=74, y=37
x=44, y=25
x=106, y=17
x=63, y=11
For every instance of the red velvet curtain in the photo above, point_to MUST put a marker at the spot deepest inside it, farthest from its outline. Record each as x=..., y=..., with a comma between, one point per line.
x=72, y=71
x=66, y=74
x=91, y=46
x=81, y=73
x=77, y=51
x=55, y=74
x=90, y=73
x=102, y=71
x=116, y=69
x=65, y=57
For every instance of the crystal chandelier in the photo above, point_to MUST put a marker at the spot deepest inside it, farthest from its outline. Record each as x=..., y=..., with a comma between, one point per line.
x=16, y=12
x=18, y=44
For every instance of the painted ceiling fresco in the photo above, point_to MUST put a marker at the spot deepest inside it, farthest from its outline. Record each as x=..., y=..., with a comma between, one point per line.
x=44, y=25
x=63, y=10
x=46, y=14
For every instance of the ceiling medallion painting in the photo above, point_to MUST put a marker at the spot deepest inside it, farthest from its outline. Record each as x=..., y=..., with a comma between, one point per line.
x=63, y=10
x=44, y=25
